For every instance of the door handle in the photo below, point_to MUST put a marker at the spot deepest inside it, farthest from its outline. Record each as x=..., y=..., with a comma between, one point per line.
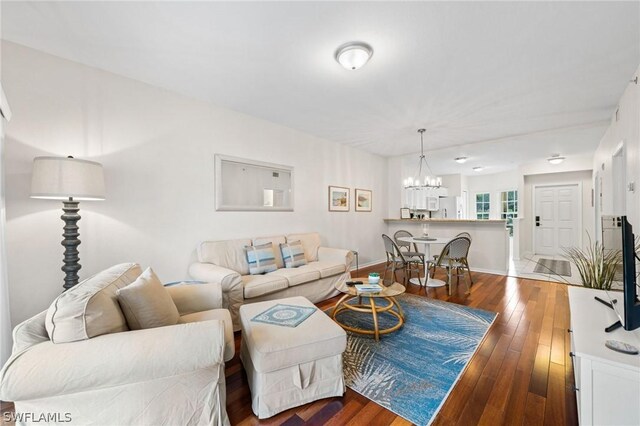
x=537, y=220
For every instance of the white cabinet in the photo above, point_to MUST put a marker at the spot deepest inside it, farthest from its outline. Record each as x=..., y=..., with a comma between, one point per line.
x=607, y=382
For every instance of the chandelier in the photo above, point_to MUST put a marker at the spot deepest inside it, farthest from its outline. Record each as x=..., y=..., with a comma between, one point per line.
x=424, y=178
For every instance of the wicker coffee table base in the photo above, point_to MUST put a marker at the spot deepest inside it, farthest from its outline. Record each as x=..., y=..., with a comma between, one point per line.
x=373, y=309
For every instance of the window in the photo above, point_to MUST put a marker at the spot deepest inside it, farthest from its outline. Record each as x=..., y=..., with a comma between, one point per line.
x=509, y=204
x=483, y=205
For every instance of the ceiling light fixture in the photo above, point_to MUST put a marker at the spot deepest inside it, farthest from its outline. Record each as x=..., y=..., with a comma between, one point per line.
x=419, y=181
x=461, y=160
x=478, y=169
x=354, y=55
x=555, y=159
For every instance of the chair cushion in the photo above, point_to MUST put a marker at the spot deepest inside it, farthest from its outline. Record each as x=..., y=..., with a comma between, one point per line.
x=293, y=254
x=327, y=268
x=272, y=347
x=310, y=242
x=215, y=314
x=300, y=275
x=261, y=258
x=258, y=285
x=228, y=254
x=275, y=241
x=146, y=303
x=91, y=307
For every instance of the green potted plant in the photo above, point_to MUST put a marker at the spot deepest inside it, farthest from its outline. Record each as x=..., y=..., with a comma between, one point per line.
x=597, y=267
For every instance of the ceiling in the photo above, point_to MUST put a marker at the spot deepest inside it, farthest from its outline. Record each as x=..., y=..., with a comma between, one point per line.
x=501, y=82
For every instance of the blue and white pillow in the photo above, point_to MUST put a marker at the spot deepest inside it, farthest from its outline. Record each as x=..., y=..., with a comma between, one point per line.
x=261, y=258
x=293, y=254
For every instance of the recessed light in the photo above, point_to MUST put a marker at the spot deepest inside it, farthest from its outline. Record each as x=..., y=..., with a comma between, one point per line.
x=461, y=160
x=555, y=159
x=478, y=169
x=354, y=55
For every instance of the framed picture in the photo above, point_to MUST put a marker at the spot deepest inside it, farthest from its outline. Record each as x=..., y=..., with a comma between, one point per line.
x=338, y=199
x=405, y=213
x=363, y=200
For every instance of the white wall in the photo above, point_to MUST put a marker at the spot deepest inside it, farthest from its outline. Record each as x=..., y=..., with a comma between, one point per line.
x=494, y=184
x=626, y=129
x=158, y=150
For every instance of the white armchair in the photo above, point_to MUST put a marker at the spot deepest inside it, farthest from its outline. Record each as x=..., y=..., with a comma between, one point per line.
x=164, y=375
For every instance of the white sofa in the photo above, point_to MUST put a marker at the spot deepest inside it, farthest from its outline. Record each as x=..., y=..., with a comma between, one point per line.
x=225, y=262
x=164, y=375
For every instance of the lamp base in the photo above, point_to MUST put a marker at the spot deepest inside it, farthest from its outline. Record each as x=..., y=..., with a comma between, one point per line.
x=70, y=243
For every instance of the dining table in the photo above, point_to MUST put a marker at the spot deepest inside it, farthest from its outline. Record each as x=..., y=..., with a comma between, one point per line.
x=426, y=242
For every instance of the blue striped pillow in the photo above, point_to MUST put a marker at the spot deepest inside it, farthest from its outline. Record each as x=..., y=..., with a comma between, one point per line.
x=261, y=258
x=293, y=254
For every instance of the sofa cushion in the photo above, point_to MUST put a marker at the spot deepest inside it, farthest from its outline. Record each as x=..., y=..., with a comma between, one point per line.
x=261, y=258
x=215, y=314
x=91, y=307
x=146, y=303
x=327, y=268
x=228, y=254
x=273, y=348
x=258, y=285
x=310, y=242
x=293, y=254
x=300, y=275
x=275, y=241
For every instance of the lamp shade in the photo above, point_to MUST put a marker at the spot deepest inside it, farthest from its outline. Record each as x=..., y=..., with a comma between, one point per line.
x=60, y=178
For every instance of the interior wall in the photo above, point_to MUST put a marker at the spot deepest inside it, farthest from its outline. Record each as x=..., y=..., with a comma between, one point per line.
x=526, y=223
x=624, y=129
x=494, y=184
x=157, y=149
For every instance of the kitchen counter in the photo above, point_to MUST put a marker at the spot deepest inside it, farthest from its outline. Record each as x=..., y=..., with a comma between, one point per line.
x=437, y=220
x=489, y=251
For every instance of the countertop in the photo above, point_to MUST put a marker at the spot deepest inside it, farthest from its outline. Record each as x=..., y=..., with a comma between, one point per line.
x=479, y=221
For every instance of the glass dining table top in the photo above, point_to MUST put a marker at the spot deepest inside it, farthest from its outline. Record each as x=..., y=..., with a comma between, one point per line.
x=391, y=290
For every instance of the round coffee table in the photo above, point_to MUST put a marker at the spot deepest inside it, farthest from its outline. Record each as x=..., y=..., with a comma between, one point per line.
x=387, y=293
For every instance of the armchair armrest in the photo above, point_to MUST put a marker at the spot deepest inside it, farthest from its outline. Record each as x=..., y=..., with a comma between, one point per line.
x=230, y=282
x=190, y=298
x=112, y=360
x=336, y=255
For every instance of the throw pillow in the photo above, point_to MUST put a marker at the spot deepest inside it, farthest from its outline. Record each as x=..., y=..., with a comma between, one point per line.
x=91, y=308
x=147, y=304
x=293, y=254
x=261, y=258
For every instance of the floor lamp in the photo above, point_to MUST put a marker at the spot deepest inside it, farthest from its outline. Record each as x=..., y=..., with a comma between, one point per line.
x=70, y=180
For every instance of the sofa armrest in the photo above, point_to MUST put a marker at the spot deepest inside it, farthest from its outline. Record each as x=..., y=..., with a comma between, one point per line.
x=230, y=282
x=191, y=298
x=116, y=359
x=336, y=255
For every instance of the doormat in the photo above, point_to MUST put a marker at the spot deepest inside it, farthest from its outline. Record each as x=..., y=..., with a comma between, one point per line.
x=555, y=267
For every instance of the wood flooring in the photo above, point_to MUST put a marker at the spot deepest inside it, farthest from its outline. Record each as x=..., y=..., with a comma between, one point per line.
x=521, y=374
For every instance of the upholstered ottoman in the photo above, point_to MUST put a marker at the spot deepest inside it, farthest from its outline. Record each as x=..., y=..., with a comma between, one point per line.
x=290, y=366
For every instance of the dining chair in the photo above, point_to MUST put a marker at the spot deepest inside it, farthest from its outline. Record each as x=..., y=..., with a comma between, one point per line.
x=396, y=260
x=453, y=258
x=410, y=249
x=466, y=263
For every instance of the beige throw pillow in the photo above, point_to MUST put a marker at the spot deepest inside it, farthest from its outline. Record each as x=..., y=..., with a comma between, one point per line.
x=147, y=304
x=91, y=308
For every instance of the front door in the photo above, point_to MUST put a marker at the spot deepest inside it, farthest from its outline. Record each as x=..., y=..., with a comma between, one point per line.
x=557, y=218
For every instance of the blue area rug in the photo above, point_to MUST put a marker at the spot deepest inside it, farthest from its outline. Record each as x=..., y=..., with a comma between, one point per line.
x=411, y=371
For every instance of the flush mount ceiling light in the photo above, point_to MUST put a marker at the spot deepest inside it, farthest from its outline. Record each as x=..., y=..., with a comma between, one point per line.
x=478, y=169
x=461, y=160
x=354, y=55
x=555, y=159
